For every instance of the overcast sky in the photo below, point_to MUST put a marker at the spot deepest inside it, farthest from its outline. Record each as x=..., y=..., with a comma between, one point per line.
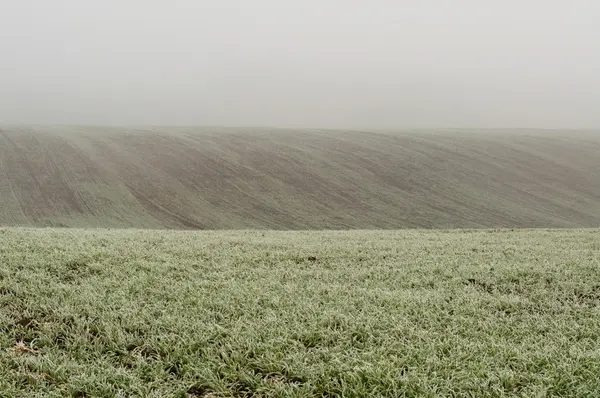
x=309, y=63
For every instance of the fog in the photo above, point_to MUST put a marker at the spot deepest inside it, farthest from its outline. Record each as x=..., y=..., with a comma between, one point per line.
x=310, y=63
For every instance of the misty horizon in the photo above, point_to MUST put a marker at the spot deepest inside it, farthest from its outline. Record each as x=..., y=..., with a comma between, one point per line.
x=327, y=64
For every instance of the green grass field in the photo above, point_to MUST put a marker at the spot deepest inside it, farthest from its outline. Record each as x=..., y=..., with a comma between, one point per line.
x=486, y=313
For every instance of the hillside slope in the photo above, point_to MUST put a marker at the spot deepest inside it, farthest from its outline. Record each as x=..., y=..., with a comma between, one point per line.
x=217, y=178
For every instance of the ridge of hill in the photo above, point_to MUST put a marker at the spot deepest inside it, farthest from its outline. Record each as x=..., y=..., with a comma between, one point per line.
x=234, y=178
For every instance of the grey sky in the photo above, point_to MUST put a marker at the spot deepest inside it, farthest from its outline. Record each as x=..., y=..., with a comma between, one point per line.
x=322, y=63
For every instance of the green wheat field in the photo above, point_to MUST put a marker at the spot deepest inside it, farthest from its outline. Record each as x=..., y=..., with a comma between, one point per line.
x=143, y=313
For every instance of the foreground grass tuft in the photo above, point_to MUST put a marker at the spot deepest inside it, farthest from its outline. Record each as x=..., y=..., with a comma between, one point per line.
x=99, y=313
